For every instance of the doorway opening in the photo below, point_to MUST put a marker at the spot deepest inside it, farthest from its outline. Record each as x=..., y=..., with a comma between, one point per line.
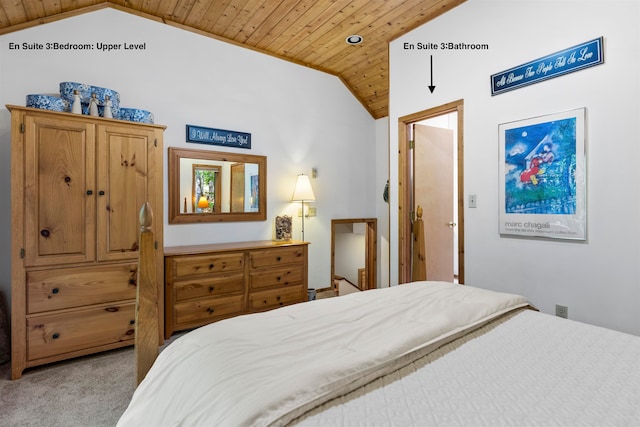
x=413, y=188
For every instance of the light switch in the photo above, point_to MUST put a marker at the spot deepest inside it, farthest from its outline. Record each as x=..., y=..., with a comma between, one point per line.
x=473, y=201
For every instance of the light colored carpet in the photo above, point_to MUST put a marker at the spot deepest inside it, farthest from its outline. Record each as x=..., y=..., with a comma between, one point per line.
x=345, y=288
x=89, y=391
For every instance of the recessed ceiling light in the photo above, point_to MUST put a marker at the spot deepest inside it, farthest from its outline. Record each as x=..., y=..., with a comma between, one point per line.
x=354, y=39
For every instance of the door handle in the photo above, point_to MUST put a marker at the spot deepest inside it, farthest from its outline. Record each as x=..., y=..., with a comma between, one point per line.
x=452, y=224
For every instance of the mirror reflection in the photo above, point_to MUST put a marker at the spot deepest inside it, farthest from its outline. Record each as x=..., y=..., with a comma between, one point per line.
x=353, y=255
x=205, y=187
x=216, y=186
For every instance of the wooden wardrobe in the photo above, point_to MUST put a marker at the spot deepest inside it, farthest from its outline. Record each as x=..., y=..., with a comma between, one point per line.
x=77, y=186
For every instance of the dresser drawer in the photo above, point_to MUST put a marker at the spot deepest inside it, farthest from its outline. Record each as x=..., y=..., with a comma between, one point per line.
x=209, y=286
x=207, y=310
x=276, y=277
x=53, y=334
x=74, y=287
x=276, y=256
x=266, y=300
x=207, y=283
x=206, y=264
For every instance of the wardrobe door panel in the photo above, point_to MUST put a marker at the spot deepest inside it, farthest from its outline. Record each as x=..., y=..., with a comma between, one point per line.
x=123, y=187
x=59, y=200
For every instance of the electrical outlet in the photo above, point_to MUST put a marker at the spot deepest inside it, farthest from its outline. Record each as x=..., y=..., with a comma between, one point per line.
x=562, y=311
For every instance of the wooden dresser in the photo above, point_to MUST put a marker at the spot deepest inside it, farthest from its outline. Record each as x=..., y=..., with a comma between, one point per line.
x=77, y=185
x=206, y=283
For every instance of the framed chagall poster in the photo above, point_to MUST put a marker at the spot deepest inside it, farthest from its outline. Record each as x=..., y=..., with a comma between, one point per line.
x=543, y=176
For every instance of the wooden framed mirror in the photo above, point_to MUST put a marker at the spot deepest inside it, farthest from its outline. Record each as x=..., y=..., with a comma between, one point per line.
x=214, y=186
x=353, y=254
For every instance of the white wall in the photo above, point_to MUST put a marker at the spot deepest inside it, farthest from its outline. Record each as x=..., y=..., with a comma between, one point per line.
x=298, y=117
x=382, y=207
x=599, y=279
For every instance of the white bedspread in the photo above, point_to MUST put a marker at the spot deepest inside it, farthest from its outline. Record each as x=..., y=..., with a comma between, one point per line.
x=527, y=369
x=268, y=368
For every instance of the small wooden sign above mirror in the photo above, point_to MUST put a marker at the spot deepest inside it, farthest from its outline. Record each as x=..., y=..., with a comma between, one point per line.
x=229, y=138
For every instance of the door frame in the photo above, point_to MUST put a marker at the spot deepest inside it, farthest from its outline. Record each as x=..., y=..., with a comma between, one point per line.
x=405, y=188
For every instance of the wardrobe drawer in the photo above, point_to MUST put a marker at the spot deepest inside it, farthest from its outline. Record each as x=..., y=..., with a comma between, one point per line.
x=276, y=277
x=200, y=287
x=266, y=300
x=53, y=334
x=207, y=310
x=276, y=256
x=207, y=264
x=74, y=287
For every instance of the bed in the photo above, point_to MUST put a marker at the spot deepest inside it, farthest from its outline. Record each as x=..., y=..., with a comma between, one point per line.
x=418, y=354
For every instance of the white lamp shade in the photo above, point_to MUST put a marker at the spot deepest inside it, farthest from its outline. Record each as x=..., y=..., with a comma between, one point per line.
x=303, y=191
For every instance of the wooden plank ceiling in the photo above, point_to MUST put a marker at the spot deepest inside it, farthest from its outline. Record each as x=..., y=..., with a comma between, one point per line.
x=308, y=32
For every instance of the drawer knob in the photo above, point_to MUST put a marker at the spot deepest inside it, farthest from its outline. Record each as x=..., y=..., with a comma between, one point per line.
x=132, y=281
x=210, y=310
x=101, y=192
x=45, y=233
x=211, y=288
x=132, y=322
x=89, y=192
x=55, y=336
x=55, y=290
x=211, y=266
x=278, y=278
x=278, y=297
x=278, y=258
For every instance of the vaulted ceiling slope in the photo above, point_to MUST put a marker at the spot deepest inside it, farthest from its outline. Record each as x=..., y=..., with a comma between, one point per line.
x=312, y=33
